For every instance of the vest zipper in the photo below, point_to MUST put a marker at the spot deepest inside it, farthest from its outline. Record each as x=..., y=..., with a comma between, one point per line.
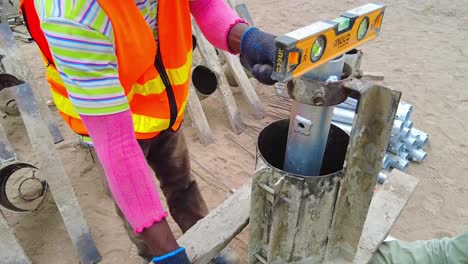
x=169, y=92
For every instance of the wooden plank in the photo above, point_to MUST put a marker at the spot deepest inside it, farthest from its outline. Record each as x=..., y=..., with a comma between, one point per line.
x=373, y=76
x=368, y=141
x=6, y=150
x=211, y=59
x=384, y=211
x=210, y=235
x=11, y=251
x=245, y=85
x=198, y=118
x=16, y=65
x=60, y=185
x=241, y=8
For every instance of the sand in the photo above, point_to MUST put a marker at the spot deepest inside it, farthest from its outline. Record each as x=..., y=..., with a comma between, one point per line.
x=422, y=52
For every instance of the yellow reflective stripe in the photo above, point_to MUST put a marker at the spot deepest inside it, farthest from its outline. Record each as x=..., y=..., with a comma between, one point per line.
x=182, y=108
x=176, y=76
x=52, y=74
x=146, y=124
x=180, y=75
x=142, y=124
x=64, y=105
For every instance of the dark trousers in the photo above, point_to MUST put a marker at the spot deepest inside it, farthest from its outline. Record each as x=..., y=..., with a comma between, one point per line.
x=169, y=158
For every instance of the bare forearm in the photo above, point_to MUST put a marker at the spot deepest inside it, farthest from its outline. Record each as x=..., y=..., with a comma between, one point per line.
x=235, y=36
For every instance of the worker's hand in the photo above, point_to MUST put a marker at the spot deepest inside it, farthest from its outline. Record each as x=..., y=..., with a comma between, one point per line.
x=257, y=52
x=177, y=256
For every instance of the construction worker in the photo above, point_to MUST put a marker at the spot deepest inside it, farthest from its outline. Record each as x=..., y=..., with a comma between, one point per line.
x=119, y=74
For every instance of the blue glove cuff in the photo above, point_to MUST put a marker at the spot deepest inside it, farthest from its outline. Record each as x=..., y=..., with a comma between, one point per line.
x=249, y=31
x=177, y=256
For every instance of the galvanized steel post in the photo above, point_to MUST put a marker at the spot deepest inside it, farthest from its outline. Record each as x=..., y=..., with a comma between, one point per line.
x=310, y=124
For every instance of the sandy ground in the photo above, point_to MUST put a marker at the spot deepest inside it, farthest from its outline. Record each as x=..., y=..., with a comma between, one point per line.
x=422, y=52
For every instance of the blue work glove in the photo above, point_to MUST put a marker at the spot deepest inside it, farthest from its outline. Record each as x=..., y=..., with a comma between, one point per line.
x=177, y=256
x=257, y=54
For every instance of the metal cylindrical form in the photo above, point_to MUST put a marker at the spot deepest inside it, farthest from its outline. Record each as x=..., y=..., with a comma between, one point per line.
x=309, y=126
x=410, y=143
x=404, y=154
x=405, y=133
x=418, y=155
x=204, y=80
x=345, y=127
x=346, y=106
x=394, y=139
x=408, y=124
x=397, y=148
x=398, y=162
x=289, y=209
x=351, y=57
x=397, y=127
x=306, y=139
x=421, y=137
x=343, y=115
x=404, y=111
x=280, y=89
x=383, y=176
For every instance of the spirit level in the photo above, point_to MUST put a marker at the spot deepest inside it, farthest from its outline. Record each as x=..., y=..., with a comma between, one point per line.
x=304, y=49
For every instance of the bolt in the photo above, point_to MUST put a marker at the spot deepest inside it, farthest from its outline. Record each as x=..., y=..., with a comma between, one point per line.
x=318, y=99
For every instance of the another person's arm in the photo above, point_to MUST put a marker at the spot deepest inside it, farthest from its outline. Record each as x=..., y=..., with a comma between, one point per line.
x=86, y=61
x=437, y=251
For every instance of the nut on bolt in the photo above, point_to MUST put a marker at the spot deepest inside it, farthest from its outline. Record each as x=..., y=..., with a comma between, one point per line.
x=318, y=98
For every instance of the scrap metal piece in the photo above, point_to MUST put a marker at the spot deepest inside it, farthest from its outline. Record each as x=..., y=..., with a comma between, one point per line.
x=281, y=228
x=369, y=138
x=5, y=174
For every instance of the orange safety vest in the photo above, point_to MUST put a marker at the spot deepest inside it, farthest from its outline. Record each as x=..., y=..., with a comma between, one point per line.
x=157, y=89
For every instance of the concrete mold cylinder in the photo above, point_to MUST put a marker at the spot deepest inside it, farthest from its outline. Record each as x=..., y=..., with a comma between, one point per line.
x=291, y=214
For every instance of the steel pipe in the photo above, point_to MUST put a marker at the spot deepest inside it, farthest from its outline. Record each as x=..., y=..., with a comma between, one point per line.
x=394, y=139
x=343, y=116
x=398, y=162
x=404, y=154
x=404, y=111
x=352, y=58
x=418, y=155
x=383, y=176
x=345, y=127
x=397, y=148
x=405, y=133
x=397, y=127
x=421, y=137
x=408, y=124
x=346, y=106
x=410, y=143
x=309, y=126
x=204, y=80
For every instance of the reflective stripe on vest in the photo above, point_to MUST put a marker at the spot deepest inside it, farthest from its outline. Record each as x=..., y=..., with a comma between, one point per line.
x=142, y=83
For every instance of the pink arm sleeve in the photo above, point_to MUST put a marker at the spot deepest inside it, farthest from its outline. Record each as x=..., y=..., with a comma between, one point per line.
x=215, y=19
x=128, y=175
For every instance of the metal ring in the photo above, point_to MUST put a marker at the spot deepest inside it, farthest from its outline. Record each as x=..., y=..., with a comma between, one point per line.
x=5, y=174
x=23, y=196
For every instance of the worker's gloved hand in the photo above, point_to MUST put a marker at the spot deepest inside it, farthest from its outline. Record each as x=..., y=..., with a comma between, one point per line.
x=257, y=54
x=177, y=256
